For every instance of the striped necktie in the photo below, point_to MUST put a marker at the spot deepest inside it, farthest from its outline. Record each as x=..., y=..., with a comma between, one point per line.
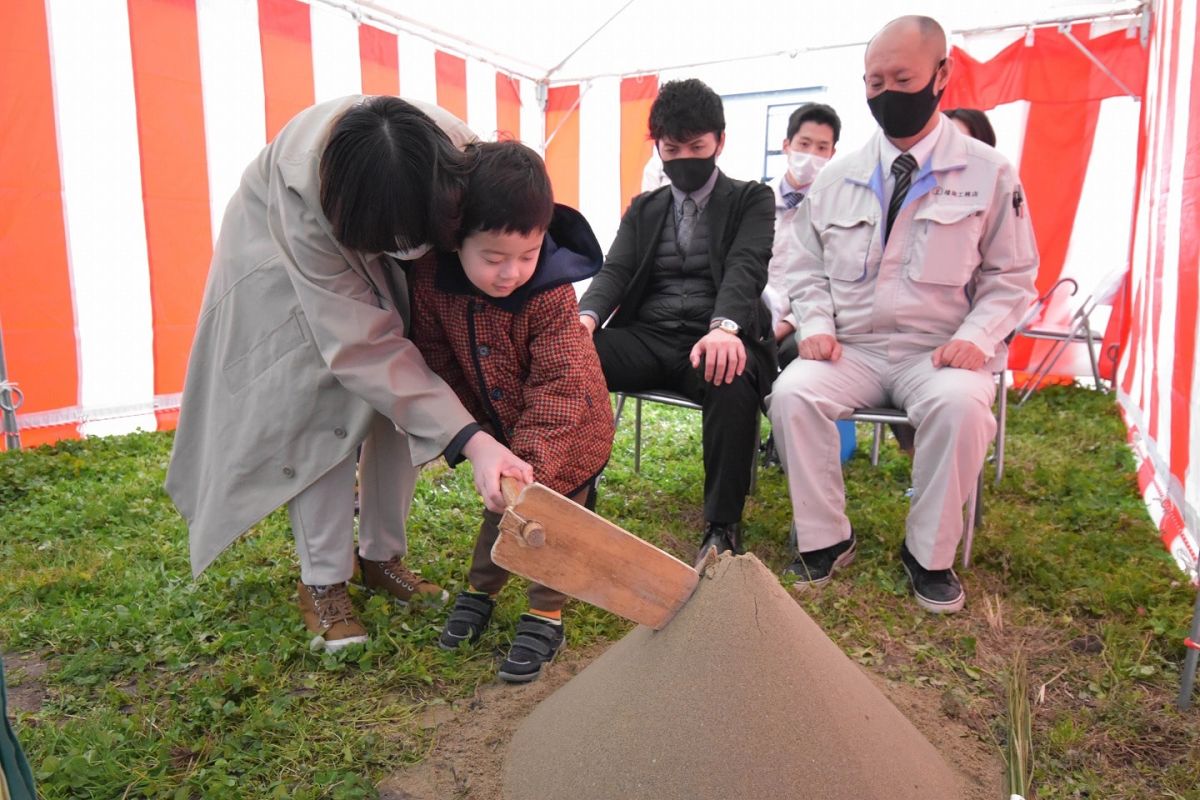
x=792, y=199
x=902, y=169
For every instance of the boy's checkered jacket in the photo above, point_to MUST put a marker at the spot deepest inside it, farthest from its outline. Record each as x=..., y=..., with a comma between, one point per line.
x=523, y=365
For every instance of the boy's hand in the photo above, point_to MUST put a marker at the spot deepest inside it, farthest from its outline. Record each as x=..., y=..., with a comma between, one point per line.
x=489, y=460
x=586, y=321
x=723, y=354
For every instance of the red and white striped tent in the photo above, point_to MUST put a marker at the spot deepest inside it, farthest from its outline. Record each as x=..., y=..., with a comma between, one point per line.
x=125, y=126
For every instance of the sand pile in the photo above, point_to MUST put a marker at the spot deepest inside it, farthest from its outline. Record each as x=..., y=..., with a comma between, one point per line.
x=741, y=695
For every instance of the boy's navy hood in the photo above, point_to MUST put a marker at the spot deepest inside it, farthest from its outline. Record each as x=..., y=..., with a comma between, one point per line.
x=570, y=253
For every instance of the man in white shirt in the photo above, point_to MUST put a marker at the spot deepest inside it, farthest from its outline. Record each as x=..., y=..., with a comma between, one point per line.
x=912, y=260
x=812, y=135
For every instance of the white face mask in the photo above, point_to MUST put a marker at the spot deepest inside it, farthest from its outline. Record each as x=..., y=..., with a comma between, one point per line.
x=804, y=167
x=411, y=255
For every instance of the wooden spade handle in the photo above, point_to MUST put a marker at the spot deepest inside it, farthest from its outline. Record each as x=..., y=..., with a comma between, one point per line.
x=530, y=532
x=511, y=488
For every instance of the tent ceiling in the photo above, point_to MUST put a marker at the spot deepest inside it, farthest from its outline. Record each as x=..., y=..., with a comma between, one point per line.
x=541, y=38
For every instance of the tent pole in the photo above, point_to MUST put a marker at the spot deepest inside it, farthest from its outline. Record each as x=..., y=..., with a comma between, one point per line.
x=1189, y=662
x=1065, y=30
x=1046, y=23
x=583, y=89
x=590, y=36
x=378, y=16
x=10, y=401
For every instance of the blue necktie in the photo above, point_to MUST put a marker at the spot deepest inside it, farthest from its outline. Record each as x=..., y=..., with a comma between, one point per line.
x=792, y=199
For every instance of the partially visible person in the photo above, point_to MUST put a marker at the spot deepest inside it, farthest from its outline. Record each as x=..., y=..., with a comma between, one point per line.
x=497, y=320
x=914, y=259
x=973, y=123
x=300, y=356
x=813, y=130
x=653, y=176
x=682, y=283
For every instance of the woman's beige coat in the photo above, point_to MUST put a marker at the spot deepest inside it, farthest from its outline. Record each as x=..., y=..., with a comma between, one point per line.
x=300, y=341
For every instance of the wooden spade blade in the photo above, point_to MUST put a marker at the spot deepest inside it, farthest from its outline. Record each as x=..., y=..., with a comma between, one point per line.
x=551, y=540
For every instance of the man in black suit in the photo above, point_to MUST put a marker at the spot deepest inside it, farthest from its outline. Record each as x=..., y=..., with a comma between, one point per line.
x=684, y=277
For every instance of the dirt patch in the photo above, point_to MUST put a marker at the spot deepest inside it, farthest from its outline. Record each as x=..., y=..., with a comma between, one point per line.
x=23, y=680
x=937, y=715
x=473, y=736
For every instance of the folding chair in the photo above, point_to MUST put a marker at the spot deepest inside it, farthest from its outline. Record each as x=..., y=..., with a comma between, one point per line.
x=1078, y=330
x=879, y=417
x=679, y=401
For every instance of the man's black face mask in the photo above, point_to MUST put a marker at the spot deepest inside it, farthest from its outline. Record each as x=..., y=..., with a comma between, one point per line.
x=903, y=114
x=689, y=174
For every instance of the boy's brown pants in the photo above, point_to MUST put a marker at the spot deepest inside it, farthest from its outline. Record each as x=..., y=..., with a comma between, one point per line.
x=486, y=576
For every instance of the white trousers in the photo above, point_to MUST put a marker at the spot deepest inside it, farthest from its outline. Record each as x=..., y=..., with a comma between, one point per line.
x=323, y=514
x=951, y=409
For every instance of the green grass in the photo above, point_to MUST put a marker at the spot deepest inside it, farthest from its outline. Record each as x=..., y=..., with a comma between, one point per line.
x=160, y=686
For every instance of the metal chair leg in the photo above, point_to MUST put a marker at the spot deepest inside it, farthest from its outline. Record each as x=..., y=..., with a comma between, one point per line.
x=1001, y=426
x=974, y=509
x=875, y=444
x=637, y=435
x=1091, y=348
x=617, y=413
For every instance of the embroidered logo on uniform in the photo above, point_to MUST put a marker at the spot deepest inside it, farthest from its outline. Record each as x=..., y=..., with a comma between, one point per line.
x=953, y=192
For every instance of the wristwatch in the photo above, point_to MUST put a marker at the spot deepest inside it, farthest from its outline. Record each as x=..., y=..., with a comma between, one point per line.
x=724, y=324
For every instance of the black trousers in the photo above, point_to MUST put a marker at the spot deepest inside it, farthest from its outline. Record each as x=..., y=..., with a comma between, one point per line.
x=643, y=357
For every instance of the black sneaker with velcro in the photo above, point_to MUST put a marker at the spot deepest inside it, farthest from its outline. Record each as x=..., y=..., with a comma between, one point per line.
x=467, y=621
x=536, y=643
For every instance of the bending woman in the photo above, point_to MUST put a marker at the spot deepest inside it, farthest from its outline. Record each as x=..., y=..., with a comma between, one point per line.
x=300, y=355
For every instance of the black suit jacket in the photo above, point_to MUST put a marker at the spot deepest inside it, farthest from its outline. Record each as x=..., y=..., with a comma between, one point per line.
x=741, y=231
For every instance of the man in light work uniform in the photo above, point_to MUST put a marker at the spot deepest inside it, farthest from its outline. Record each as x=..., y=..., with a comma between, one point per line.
x=812, y=135
x=914, y=258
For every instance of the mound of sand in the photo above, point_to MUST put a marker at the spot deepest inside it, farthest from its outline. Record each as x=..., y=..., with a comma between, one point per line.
x=741, y=695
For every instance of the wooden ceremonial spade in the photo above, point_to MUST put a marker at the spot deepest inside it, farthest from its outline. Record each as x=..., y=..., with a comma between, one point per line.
x=551, y=540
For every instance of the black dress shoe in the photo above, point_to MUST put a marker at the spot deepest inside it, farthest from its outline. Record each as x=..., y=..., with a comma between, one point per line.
x=723, y=537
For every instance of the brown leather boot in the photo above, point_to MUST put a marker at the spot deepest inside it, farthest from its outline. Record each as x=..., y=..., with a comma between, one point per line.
x=400, y=583
x=328, y=613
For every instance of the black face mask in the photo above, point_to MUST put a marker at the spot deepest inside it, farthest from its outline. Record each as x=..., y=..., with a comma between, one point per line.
x=903, y=114
x=689, y=174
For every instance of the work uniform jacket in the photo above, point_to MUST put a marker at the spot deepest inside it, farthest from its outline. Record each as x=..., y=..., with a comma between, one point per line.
x=300, y=342
x=522, y=364
x=960, y=262
x=775, y=296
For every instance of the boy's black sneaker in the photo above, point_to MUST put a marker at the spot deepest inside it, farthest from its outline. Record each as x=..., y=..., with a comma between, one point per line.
x=470, y=617
x=936, y=590
x=816, y=567
x=537, y=643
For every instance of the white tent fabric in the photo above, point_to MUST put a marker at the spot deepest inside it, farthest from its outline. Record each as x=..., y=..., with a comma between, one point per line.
x=573, y=40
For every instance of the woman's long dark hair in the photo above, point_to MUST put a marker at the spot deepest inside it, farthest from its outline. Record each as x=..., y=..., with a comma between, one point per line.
x=391, y=179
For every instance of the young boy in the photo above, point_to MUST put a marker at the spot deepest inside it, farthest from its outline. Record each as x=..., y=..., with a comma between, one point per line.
x=497, y=319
